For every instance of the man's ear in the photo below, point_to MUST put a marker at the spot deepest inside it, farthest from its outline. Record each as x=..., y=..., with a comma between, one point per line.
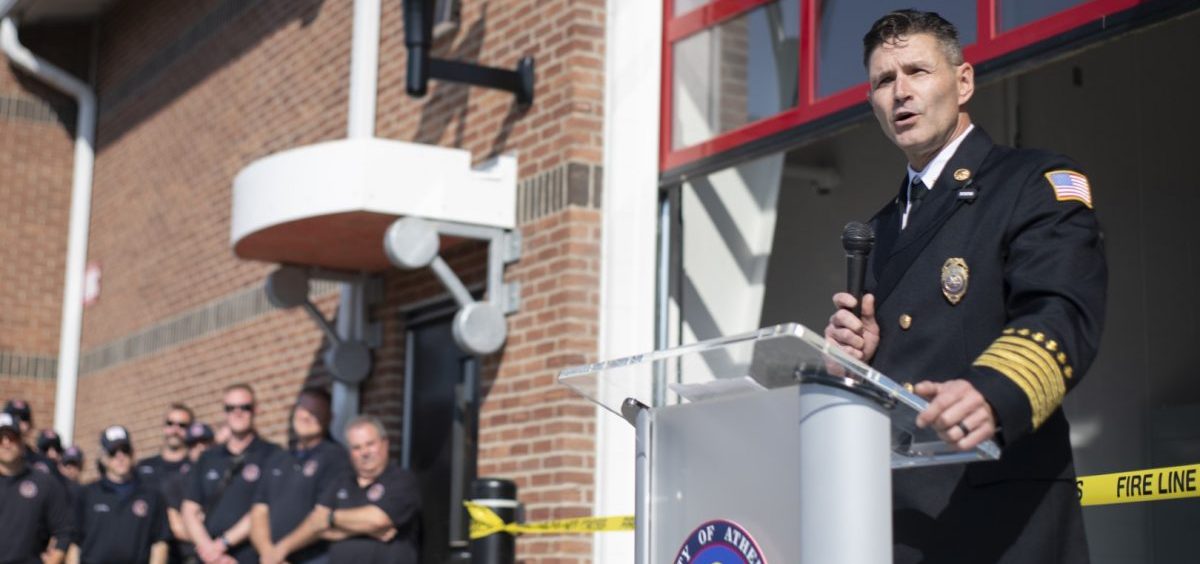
x=965, y=76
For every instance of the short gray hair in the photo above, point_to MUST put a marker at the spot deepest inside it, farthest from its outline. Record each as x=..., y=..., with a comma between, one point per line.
x=368, y=420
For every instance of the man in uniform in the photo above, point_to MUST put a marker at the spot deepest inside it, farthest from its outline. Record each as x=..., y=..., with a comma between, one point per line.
x=985, y=291
x=32, y=504
x=294, y=478
x=71, y=465
x=199, y=437
x=174, y=451
x=221, y=485
x=49, y=445
x=167, y=466
x=21, y=412
x=372, y=515
x=120, y=517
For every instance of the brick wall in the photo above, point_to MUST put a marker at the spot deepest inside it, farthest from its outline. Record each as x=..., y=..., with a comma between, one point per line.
x=191, y=94
x=36, y=155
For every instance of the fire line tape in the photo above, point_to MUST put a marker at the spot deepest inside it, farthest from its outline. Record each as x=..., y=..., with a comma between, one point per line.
x=1154, y=484
x=485, y=522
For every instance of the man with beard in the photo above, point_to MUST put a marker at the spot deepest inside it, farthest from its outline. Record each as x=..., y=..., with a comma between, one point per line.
x=222, y=484
x=32, y=504
x=168, y=464
x=120, y=518
x=174, y=451
x=199, y=438
x=295, y=478
x=372, y=515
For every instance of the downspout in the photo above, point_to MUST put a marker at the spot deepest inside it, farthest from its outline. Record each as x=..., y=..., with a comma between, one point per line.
x=364, y=71
x=81, y=204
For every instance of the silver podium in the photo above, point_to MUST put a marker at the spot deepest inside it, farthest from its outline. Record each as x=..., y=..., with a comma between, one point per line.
x=772, y=446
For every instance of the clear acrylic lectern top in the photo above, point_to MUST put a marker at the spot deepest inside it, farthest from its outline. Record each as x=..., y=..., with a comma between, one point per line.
x=769, y=358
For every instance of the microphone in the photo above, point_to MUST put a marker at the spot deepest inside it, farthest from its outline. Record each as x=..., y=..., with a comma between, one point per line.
x=857, y=240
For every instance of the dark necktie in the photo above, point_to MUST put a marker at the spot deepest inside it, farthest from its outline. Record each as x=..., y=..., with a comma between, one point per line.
x=916, y=192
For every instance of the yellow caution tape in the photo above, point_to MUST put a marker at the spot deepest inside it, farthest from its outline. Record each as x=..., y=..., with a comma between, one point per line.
x=485, y=522
x=1175, y=482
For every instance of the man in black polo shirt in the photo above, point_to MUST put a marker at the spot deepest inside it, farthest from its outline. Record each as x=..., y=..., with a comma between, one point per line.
x=32, y=504
x=370, y=516
x=120, y=518
x=221, y=485
x=294, y=478
x=199, y=437
x=174, y=451
x=23, y=415
x=168, y=464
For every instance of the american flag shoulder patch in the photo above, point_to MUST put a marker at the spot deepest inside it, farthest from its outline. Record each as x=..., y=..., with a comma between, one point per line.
x=1070, y=186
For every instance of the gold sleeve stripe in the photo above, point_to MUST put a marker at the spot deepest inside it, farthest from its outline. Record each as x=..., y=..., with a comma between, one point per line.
x=1050, y=394
x=1034, y=348
x=1028, y=363
x=1048, y=373
x=1034, y=359
x=1011, y=373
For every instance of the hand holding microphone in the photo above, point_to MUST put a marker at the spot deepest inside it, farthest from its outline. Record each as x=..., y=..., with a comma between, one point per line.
x=853, y=326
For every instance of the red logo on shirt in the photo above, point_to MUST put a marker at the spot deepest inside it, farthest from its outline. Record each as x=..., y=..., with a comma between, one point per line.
x=28, y=489
x=310, y=468
x=250, y=473
x=375, y=492
x=140, y=508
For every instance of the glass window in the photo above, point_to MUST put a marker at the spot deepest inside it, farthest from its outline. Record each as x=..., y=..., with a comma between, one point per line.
x=1016, y=13
x=740, y=71
x=684, y=6
x=842, y=24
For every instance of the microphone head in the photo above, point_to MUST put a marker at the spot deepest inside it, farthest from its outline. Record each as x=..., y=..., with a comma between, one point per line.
x=858, y=237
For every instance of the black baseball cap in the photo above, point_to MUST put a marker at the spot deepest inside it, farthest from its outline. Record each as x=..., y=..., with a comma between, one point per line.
x=198, y=432
x=72, y=456
x=8, y=422
x=48, y=440
x=19, y=409
x=114, y=438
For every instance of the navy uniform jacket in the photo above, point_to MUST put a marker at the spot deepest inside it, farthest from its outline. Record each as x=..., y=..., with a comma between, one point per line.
x=1023, y=331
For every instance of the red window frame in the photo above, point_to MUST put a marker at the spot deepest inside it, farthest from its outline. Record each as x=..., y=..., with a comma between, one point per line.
x=990, y=43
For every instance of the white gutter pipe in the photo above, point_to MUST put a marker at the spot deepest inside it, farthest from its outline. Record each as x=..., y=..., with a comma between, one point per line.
x=81, y=206
x=364, y=72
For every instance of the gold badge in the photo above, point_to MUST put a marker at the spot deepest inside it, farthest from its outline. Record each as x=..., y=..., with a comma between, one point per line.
x=955, y=277
x=962, y=174
x=905, y=321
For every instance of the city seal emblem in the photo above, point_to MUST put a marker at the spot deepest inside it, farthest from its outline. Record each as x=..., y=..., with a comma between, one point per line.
x=955, y=277
x=719, y=542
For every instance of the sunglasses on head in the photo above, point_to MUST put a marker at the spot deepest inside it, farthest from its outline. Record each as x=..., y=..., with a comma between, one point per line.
x=232, y=407
x=176, y=424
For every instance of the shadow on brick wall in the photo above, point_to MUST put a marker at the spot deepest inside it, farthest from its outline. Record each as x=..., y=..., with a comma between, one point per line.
x=208, y=45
